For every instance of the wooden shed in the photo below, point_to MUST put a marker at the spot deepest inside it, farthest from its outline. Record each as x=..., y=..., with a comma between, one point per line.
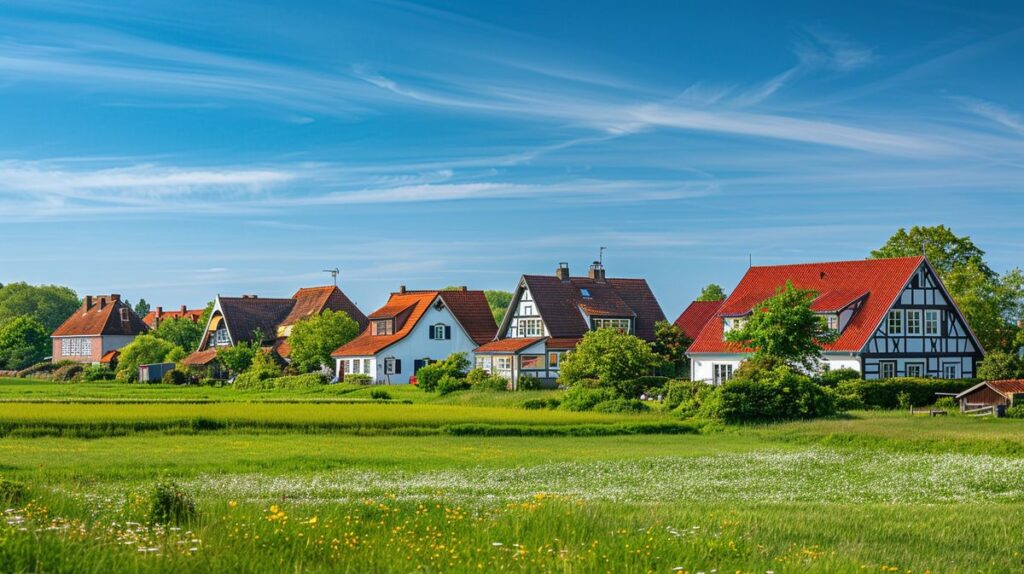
x=992, y=394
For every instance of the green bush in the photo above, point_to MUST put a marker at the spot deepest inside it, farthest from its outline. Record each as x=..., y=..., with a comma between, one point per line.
x=170, y=504
x=95, y=373
x=174, y=377
x=1015, y=412
x=765, y=395
x=528, y=383
x=12, y=492
x=676, y=393
x=291, y=382
x=429, y=376
x=450, y=384
x=652, y=385
x=847, y=400
x=358, y=379
x=885, y=394
x=490, y=383
x=537, y=404
x=380, y=395
x=263, y=368
x=621, y=406
x=44, y=368
x=68, y=372
x=947, y=404
x=476, y=376
x=581, y=398
x=833, y=378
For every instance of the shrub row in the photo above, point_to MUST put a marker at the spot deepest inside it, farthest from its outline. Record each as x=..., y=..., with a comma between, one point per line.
x=653, y=427
x=896, y=393
x=287, y=382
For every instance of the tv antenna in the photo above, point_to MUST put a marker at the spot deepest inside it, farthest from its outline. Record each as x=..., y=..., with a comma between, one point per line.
x=334, y=274
x=600, y=255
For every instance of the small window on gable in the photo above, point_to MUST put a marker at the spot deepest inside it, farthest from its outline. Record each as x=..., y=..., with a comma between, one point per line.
x=585, y=293
x=124, y=314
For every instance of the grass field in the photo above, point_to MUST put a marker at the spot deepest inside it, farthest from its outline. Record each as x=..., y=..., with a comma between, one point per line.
x=304, y=487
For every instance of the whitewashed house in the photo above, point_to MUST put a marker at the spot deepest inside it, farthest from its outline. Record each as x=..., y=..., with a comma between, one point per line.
x=894, y=317
x=416, y=328
x=549, y=314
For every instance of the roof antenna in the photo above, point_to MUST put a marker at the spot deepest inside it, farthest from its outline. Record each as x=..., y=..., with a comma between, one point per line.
x=334, y=274
x=600, y=255
x=750, y=259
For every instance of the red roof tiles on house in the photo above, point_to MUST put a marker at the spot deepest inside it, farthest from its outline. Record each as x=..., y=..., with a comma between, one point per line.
x=696, y=315
x=508, y=345
x=1005, y=387
x=102, y=315
x=315, y=300
x=879, y=281
x=200, y=358
x=159, y=314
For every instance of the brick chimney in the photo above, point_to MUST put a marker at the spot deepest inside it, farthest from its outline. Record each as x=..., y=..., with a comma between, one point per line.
x=562, y=272
x=103, y=301
x=596, y=272
x=401, y=288
x=88, y=302
x=183, y=310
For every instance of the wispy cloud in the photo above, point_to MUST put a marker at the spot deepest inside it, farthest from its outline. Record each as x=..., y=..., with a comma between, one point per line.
x=995, y=112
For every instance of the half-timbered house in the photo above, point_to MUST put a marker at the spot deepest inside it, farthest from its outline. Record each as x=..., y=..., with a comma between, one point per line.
x=894, y=318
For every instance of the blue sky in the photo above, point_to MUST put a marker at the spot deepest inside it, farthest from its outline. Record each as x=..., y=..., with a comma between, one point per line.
x=174, y=151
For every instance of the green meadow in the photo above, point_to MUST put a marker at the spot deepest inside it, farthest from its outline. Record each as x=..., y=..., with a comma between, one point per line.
x=296, y=483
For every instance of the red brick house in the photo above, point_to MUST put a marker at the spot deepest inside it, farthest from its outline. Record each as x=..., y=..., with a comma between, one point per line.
x=102, y=325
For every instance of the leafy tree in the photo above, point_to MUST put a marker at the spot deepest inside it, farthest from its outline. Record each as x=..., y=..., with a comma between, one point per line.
x=142, y=307
x=455, y=366
x=1000, y=365
x=238, y=359
x=51, y=305
x=205, y=317
x=945, y=250
x=144, y=350
x=183, y=332
x=498, y=301
x=608, y=356
x=712, y=292
x=670, y=344
x=784, y=328
x=313, y=339
x=23, y=342
x=762, y=392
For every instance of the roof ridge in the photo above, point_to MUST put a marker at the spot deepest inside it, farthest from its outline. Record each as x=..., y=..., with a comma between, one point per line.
x=834, y=262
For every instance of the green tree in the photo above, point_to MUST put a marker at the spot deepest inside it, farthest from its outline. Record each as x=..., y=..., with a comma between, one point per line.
x=144, y=350
x=141, y=308
x=313, y=339
x=498, y=301
x=945, y=250
x=712, y=292
x=183, y=332
x=51, y=305
x=999, y=365
x=609, y=356
x=238, y=358
x=670, y=344
x=23, y=342
x=784, y=328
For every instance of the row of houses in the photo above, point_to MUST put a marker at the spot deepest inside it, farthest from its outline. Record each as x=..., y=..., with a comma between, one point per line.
x=894, y=318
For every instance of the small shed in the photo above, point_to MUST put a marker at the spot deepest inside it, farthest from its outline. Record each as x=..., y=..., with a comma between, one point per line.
x=154, y=372
x=992, y=394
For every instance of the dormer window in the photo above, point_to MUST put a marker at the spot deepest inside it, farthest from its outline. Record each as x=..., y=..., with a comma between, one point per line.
x=124, y=314
x=383, y=326
x=620, y=324
x=585, y=293
x=833, y=322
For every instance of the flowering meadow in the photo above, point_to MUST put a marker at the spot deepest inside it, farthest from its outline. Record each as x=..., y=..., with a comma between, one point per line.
x=873, y=492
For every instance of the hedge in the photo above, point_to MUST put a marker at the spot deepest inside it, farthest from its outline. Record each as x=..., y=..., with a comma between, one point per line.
x=885, y=393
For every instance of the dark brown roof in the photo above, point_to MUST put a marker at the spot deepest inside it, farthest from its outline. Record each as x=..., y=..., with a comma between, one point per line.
x=314, y=300
x=559, y=303
x=101, y=315
x=473, y=313
x=696, y=315
x=245, y=315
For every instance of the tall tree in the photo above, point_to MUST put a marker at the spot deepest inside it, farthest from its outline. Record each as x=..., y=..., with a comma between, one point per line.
x=609, y=356
x=784, y=328
x=181, y=331
x=498, y=301
x=670, y=344
x=142, y=307
x=992, y=303
x=23, y=342
x=712, y=292
x=313, y=339
x=144, y=350
x=51, y=305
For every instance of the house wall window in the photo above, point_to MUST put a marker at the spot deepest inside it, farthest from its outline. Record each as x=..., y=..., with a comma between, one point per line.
x=440, y=331
x=220, y=337
x=356, y=363
x=367, y=364
x=620, y=324
x=531, y=328
x=894, y=322
x=76, y=347
x=384, y=327
x=528, y=310
x=931, y=322
x=392, y=366
x=887, y=369
x=722, y=372
x=553, y=360
x=531, y=361
x=833, y=322
x=913, y=322
x=915, y=369
x=483, y=362
x=503, y=363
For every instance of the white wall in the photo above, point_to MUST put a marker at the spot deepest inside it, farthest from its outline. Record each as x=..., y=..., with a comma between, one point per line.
x=701, y=368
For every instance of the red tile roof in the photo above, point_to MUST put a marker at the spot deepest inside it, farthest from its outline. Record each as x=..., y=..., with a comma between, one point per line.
x=880, y=281
x=314, y=300
x=101, y=315
x=469, y=308
x=158, y=313
x=507, y=345
x=696, y=315
x=200, y=358
x=1005, y=387
x=559, y=303
x=566, y=344
x=109, y=357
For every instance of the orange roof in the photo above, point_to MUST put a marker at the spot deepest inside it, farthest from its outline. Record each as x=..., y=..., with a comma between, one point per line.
x=508, y=345
x=200, y=358
x=314, y=300
x=101, y=315
x=109, y=356
x=696, y=315
x=1005, y=387
x=191, y=314
x=878, y=281
x=555, y=343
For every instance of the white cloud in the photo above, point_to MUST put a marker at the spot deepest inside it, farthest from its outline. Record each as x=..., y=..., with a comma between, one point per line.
x=994, y=112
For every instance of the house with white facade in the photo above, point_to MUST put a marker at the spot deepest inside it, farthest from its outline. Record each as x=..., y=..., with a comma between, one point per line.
x=414, y=329
x=894, y=318
x=549, y=314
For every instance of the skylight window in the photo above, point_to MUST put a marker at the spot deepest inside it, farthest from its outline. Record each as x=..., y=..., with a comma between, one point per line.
x=585, y=292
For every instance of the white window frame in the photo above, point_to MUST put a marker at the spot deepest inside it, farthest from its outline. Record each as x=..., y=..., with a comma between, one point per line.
x=918, y=366
x=554, y=359
x=76, y=347
x=503, y=363
x=221, y=337
x=528, y=310
x=389, y=366
x=894, y=317
x=932, y=322
x=531, y=328
x=367, y=366
x=833, y=322
x=914, y=320
x=439, y=331
x=882, y=367
x=356, y=365
x=721, y=372
x=620, y=324
x=947, y=374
